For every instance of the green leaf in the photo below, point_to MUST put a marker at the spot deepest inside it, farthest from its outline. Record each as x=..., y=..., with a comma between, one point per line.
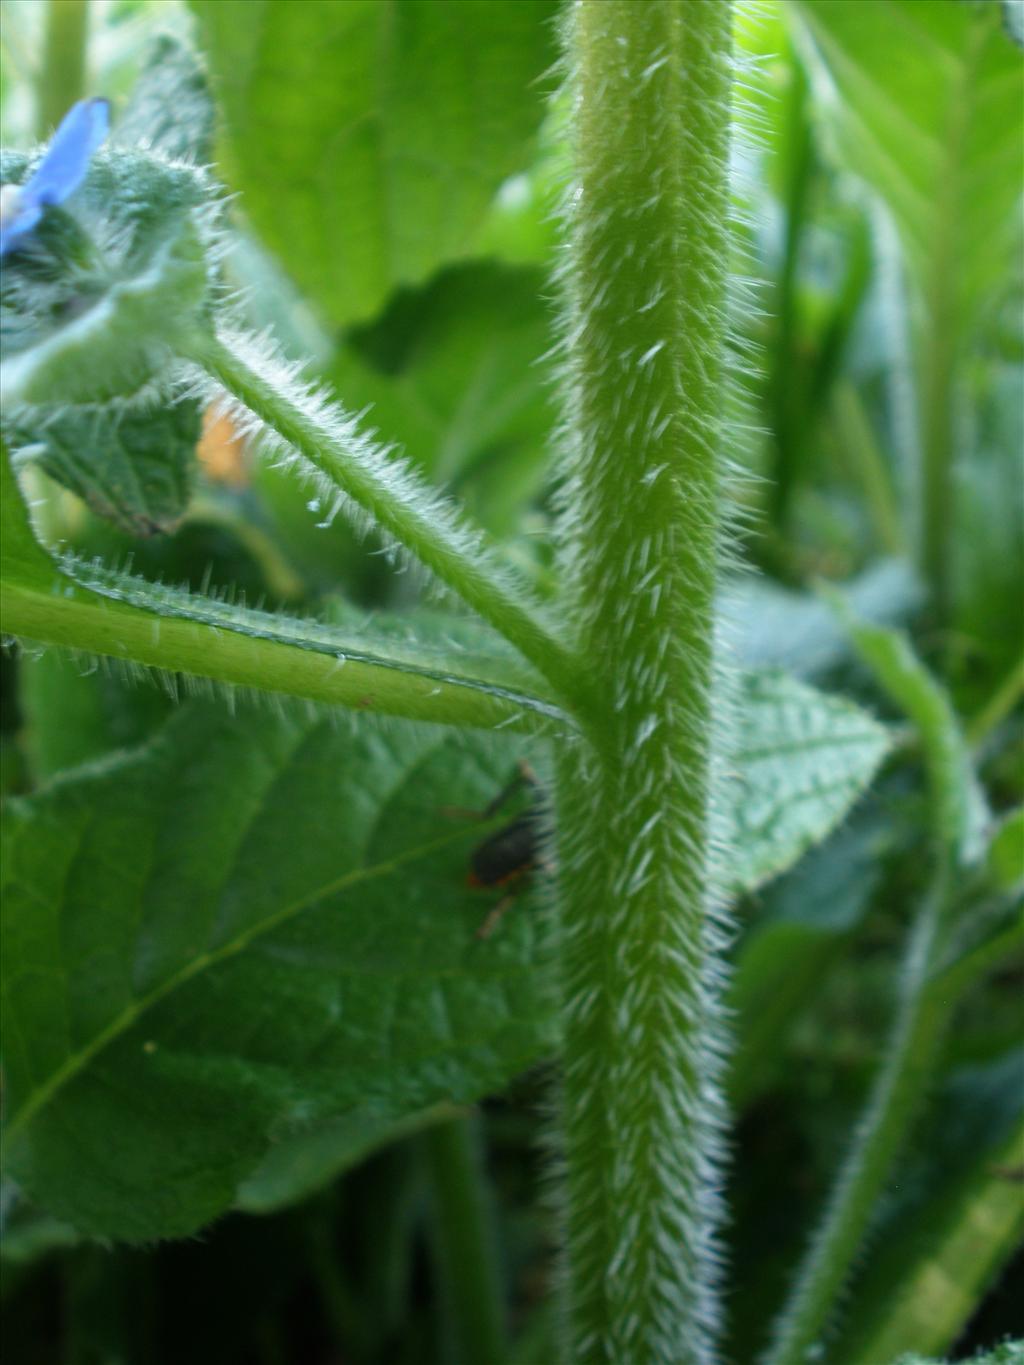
x=22, y=559
x=74, y=712
x=451, y=373
x=170, y=110
x=238, y=932
x=27, y=1233
x=368, y=139
x=299, y=1165
x=943, y=144
x=803, y=759
x=288, y=961
x=521, y=227
x=957, y=1217
x=132, y=464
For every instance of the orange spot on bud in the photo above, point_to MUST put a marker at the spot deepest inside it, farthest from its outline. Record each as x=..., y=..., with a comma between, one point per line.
x=221, y=451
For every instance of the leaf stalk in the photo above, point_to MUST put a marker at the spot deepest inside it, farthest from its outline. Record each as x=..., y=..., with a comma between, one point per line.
x=398, y=505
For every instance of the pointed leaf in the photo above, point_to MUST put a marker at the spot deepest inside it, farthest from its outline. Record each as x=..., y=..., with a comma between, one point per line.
x=22, y=559
x=133, y=465
x=258, y=931
x=803, y=759
x=170, y=109
x=239, y=931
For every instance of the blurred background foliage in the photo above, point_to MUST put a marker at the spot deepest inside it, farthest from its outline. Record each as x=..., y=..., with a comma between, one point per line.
x=400, y=172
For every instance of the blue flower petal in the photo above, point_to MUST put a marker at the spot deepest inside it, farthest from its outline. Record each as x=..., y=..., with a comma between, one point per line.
x=60, y=172
x=63, y=168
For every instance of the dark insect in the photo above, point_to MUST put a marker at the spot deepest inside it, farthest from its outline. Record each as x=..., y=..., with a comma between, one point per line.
x=511, y=853
x=507, y=854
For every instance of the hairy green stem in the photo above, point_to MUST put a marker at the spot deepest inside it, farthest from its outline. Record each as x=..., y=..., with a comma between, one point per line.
x=146, y=625
x=901, y=1085
x=926, y=1001
x=645, y=296
x=465, y=1249
x=409, y=514
x=265, y=660
x=61, y=78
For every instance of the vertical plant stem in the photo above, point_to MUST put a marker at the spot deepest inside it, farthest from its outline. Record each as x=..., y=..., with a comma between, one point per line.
x=61, y=79
x=922, y=1016
x=858, y=441
x=645, y=290
x=926, y=1001
x=465, y=1249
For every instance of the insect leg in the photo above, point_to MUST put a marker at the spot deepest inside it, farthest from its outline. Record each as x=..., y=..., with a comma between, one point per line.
x=525, y=777
x=494, y=918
